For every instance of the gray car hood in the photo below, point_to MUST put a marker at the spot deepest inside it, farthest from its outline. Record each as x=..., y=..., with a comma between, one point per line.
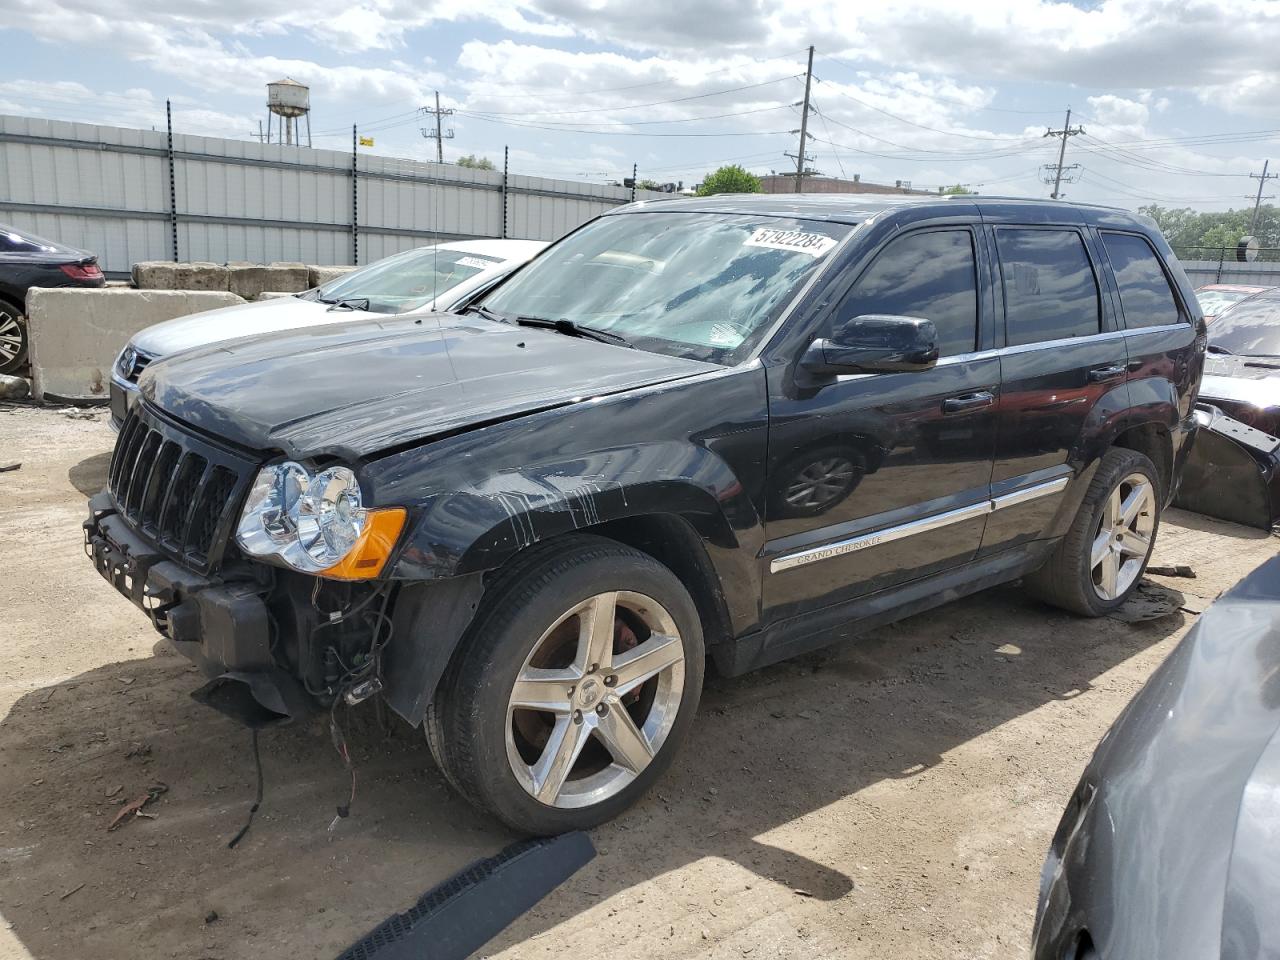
x=1183, y=838
x=358, y=389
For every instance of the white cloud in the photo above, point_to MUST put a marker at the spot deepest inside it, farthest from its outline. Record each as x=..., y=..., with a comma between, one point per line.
x=1112, y=111
x=1128, y=64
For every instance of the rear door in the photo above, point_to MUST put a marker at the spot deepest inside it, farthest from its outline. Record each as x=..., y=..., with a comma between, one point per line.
x=1063, y=367
x=875, y=479
x=1159, y=333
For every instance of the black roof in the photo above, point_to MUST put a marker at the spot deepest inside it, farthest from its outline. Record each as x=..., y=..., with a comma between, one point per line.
x=854, y=208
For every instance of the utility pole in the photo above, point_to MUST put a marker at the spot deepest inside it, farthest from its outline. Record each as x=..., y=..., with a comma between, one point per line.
x=261, y=137
x=1262, y=179
x=1066, y=131
x=804, y=124
x=438, y=134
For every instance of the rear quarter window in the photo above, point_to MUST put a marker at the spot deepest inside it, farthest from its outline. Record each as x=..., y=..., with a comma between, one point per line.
x=1050, y=290
x=1145, y=295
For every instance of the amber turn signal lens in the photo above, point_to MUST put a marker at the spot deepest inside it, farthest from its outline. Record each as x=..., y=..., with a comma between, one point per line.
x=369, y=555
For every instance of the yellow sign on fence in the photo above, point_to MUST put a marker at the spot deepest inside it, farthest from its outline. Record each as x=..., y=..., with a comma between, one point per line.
x=366, y=141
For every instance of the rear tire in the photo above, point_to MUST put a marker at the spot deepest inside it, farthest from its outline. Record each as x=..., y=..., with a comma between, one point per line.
x=612, y=704
x=1098, y=564
x=13, y=338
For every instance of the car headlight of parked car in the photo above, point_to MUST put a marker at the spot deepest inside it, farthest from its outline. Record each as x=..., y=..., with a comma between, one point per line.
x=124, y=363
x=317, y=523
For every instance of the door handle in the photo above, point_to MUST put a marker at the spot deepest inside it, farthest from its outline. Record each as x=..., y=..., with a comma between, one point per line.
x=969, y=401
x=1103, y=374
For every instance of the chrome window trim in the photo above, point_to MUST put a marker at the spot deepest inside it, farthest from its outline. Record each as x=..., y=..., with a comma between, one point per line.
x=861, y=542
x=1055, y=344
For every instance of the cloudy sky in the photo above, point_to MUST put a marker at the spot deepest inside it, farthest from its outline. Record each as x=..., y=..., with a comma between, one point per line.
x=1177, y=99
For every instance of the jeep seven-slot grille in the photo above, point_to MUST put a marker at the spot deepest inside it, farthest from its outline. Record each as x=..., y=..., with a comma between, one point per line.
x=175, y=489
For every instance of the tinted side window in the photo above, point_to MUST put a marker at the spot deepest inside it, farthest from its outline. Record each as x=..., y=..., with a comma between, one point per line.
x=931, y=275
x=1145, y=296
x=1050, y=292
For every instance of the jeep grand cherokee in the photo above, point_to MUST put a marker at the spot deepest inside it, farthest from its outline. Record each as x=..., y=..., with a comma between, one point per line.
x=714, y=427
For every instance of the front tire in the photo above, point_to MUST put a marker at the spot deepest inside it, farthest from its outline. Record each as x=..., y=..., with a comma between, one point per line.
x=571, y=693
x=1099, y=562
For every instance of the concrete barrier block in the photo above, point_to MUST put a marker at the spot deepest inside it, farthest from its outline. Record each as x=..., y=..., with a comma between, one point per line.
x=251, y=281
x=164, y=275
x=319, y=276
x=290, y=277
x=273, y=295
x=154, y=274
x=76, y=334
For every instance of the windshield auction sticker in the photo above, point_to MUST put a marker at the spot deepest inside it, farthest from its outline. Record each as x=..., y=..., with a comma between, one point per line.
x=793, y=241
x=476, y=262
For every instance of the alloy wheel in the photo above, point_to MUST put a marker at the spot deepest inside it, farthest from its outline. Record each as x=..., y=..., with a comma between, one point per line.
x=11, y=338
x=1123, y=537
x=595, y=700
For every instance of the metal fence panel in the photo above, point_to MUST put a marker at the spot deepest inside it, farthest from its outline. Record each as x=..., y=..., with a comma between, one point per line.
x=1259, y=272
x=107, y=189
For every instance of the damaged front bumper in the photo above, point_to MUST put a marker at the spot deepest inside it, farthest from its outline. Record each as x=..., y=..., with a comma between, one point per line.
x=1233, y=472
x=224, y=627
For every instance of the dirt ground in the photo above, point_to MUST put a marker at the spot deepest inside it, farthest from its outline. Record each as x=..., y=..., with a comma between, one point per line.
x=890, y=798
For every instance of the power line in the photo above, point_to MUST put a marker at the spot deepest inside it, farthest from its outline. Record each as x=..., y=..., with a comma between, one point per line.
x=637, y=106
x=1125, y=156
x=505, y=95
x=480, y=115
x=1031, y=147
x=966, y=154
x=623, y=133
x=912, y=123
x=938, y=98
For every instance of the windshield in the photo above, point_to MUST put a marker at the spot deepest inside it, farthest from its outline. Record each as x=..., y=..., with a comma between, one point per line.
x=406, y=281
x=1250, y=329
x=700, y=285
x=1213, y=302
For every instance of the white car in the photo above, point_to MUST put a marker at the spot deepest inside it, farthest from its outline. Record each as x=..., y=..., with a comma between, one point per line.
x=436, y=277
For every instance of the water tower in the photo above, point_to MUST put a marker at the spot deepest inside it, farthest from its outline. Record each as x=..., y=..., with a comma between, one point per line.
x=291, y=102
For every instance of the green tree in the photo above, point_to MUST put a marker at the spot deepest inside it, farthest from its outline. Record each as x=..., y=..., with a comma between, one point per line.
x=648, y=185
x=471, y=161
x=1185, y=228
x=729, y=179
x=959, y=190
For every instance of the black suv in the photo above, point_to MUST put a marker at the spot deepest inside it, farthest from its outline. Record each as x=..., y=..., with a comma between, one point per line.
x=715, y=427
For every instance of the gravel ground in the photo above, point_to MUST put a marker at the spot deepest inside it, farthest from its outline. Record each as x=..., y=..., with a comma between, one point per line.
x=891, y=797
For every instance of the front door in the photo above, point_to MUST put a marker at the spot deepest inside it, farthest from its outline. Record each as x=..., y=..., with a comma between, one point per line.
x=875, y=479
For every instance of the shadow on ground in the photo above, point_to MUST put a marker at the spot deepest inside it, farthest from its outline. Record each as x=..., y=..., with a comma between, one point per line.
x=89, y=476
x=767, y=748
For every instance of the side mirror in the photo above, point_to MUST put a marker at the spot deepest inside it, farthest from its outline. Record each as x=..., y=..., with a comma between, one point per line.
x=874, y=343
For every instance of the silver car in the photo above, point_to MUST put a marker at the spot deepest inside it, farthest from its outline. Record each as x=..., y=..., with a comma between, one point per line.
x=436, y=277
x=1168, y=847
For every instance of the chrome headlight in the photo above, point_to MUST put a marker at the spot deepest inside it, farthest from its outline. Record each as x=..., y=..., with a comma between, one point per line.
x=309, y=523
x=124, y=363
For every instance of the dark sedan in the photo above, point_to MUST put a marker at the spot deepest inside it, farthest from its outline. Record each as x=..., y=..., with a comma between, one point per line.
x=28, y=261
x=1168, y=846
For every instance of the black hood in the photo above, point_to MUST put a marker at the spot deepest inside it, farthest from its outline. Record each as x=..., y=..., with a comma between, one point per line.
x=356, y=389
